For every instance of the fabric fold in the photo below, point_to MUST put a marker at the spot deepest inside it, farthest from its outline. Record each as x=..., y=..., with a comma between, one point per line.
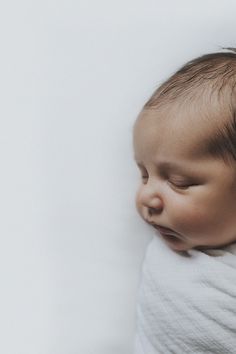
x=186, y=301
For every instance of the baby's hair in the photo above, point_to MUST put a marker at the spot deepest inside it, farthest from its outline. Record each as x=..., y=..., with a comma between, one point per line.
x=205, y=77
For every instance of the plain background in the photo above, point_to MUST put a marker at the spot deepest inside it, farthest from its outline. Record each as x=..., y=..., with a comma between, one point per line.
x=73, y=77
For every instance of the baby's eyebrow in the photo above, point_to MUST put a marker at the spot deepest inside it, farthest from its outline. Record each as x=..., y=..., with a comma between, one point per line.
x=185, y=169
x=170, y=166
x=166, y=166
x=175, y=168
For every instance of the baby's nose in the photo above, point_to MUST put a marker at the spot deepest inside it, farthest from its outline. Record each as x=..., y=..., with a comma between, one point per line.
x=151, y=199
x=154, y=206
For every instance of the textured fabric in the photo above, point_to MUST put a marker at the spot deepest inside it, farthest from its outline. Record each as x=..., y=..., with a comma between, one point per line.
x=187, y=301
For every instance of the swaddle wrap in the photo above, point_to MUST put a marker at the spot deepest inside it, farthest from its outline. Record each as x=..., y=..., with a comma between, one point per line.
x=187, y=301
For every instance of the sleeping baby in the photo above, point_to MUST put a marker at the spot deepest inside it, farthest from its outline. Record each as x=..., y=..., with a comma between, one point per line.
x=185, y=147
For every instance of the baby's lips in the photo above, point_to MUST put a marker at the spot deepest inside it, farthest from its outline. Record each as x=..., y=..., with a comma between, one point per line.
x=163, y=229
x=166, y=231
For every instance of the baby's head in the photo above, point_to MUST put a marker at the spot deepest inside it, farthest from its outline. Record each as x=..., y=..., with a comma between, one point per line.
x=185, y=148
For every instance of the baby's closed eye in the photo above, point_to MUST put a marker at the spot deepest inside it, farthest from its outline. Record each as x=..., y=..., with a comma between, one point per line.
x=181, y=183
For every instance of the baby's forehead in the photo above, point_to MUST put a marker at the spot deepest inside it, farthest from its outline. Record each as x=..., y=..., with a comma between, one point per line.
x=206, y=107
x=199, y=127
x=205, y=110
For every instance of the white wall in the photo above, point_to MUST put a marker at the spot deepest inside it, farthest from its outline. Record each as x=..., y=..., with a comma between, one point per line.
x=73, y=77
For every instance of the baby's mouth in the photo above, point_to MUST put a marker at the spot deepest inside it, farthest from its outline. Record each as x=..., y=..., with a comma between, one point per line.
x=176, y=241
x=166, y=232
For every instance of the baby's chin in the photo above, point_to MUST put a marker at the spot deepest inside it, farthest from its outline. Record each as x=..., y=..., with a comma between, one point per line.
x=176, y=244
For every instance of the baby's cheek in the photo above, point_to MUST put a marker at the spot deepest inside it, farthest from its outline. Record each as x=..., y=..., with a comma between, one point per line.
x=191, y=218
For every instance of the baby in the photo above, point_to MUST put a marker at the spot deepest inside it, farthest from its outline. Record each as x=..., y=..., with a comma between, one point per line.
x=185, y=147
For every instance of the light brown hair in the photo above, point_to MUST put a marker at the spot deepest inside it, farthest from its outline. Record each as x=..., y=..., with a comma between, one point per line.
x=214, y=73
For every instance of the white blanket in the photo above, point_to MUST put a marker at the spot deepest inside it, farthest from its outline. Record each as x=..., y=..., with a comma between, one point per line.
x=187, y=301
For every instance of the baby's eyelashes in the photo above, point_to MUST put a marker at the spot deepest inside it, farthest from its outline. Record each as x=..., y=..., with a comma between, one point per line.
x=182, y=185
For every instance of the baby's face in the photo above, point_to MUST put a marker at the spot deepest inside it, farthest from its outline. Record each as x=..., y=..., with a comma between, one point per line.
x=190, y=199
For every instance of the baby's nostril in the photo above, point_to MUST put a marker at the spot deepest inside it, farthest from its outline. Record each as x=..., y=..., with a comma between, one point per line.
x=151, y=211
